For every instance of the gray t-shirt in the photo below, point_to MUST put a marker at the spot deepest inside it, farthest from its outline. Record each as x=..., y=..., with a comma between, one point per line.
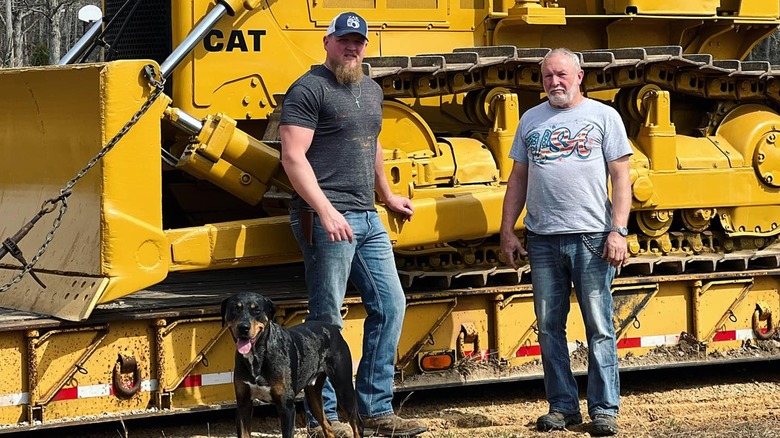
x=343, y=150
x=567, y=151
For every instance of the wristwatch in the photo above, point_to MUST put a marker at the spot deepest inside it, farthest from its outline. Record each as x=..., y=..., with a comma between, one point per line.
x=623, y=231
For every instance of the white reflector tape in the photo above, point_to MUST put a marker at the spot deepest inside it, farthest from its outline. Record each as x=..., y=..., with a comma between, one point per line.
x=88, y=391
x=14, y=399
x=744, y=334
x=149, y=385
x=216, y=379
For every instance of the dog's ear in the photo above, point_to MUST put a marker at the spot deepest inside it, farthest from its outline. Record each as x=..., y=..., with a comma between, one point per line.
x=270, y=309
x=223, y=310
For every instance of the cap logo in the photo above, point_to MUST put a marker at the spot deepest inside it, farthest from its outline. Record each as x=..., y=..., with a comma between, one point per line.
x=353, y=22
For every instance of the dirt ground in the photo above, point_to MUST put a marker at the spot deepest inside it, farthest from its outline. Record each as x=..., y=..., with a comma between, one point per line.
x=735, y=400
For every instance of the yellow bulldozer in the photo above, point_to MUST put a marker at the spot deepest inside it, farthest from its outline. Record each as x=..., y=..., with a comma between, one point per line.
x=137, y=192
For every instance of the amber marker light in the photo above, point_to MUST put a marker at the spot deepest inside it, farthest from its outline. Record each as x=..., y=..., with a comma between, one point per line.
x=438, y=361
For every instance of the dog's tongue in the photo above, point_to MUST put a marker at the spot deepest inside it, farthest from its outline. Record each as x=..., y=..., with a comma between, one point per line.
x=243, y=346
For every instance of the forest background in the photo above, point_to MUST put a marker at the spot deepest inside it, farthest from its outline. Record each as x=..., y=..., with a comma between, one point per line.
x=39, y=32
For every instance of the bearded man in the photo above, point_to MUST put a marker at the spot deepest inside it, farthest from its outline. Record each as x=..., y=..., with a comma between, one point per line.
x=331, y=118
x=565, y=151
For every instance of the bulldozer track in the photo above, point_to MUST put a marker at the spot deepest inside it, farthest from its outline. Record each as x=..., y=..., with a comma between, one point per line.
x=474, y=68
x=477, y=68
x=637, y=267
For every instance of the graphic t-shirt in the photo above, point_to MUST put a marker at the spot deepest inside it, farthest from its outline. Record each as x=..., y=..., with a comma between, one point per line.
x=567, y=151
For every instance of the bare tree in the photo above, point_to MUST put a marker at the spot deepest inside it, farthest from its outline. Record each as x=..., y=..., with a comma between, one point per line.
x=52, y=11
x=7, y=20
x=38, y=31
x=19, y=19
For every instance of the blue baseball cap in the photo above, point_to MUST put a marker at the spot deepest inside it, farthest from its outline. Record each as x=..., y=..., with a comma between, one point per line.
x=348, y=22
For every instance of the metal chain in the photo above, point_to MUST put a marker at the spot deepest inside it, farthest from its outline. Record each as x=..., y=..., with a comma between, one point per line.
x=591, y=248
x=66, y=191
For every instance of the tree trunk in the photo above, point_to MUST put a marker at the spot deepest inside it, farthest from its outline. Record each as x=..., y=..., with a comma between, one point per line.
x=9, y=33
x=17, y=41
x=55, y=37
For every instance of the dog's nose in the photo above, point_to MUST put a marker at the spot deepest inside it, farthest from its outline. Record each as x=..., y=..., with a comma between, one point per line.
x=243, y=329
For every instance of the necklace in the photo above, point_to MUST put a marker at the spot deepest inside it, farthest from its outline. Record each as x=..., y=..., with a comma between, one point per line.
x=357, y=97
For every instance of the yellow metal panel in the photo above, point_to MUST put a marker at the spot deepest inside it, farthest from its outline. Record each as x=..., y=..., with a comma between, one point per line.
x=63, y=124
x=428, y=325
x=515, y=328
x=736, y=187
x=664, y=7
x=699, y=153
x=182, y=341
x=728, y=306
x=217, y=365
x=86, y=392
x=473, y=161
x=758, y=8
x=659, y=320
x=354, y=318
x=13, y=386
x=247, y=93
x=398, y=12
x=254, y=42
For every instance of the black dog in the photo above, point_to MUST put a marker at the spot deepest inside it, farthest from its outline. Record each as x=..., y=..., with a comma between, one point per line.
x=273, y=364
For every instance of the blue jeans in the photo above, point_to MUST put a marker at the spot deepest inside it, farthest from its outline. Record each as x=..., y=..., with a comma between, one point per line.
x=370, y=264
x=556, y=262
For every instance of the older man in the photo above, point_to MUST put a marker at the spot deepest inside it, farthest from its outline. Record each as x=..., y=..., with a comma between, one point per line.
x=565, y=150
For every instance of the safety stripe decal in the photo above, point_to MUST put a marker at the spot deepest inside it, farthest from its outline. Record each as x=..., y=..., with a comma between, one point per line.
x=15, y=399
x=734, y=335
x=647, y=341
x=216, y=379
x=196, y=380
x=532, y=350
x=101, y=390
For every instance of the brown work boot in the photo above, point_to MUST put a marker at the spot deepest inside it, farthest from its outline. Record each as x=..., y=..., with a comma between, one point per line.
x=557, y=421
x=340, y=430
x=392, y=425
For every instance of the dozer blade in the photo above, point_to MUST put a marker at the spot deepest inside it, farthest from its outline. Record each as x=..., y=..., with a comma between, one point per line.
x=110, y=243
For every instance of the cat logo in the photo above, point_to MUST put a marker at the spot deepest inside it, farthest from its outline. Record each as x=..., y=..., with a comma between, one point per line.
x=216, y=41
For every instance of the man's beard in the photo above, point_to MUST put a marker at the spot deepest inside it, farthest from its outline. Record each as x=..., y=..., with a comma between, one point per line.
x=348, y=75
x=561, y=100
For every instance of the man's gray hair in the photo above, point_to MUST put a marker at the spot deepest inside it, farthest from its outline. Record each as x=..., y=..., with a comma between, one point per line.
x=566, y=52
